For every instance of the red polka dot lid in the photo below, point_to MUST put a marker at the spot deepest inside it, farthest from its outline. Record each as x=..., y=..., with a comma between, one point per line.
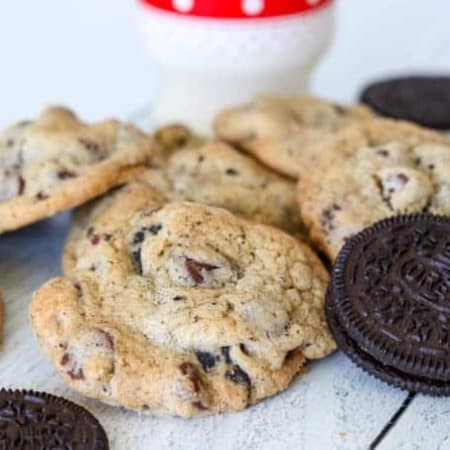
x=236, y=9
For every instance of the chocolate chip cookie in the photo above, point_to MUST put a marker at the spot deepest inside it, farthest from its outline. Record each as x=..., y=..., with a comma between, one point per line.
x=215, y=174
x=183, y=309
x=283, y=132
x=371, y=171
x=57, y=162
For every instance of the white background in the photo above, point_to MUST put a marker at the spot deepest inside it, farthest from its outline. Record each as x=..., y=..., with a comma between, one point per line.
x=89, y=54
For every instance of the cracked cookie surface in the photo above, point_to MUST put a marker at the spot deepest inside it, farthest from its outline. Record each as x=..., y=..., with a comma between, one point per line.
x=57, y=162
x=215, y=174
x=283, y=132
x=372, y=171
x=182, y=308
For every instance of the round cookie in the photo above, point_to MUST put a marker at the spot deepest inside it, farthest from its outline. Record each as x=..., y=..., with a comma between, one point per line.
x=216, y=174
x=421, y=99
x=36, y=420
x=57, y=162
x=213, y=173
x=387, y=303
x=283, y=132
x=370, y=171
x=110, y=213
x=184, y=310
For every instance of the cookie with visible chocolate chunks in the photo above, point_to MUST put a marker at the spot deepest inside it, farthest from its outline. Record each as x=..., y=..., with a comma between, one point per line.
x=183, y=309
x=370, y=171
x=283, y=132
x=215, y=174
x=387, y=305
x=57, y=162
x=36, y=420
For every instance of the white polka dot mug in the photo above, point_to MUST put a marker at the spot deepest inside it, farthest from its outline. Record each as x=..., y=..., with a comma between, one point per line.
x=214, y=53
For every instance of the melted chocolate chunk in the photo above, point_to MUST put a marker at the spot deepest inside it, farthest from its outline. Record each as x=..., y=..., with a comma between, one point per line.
x=137, y=260
x=155, y=229
x=238, y=376
x=207, y=360
x=65, y=174
x=41, y=196
x=199, y=405
x=232, y=172
x=76, y=374
x=195, y=268
x=139, y=237
x=190, y=371
x=226, y=354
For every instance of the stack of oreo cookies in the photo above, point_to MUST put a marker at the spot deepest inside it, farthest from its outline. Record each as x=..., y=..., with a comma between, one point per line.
x=388, y=304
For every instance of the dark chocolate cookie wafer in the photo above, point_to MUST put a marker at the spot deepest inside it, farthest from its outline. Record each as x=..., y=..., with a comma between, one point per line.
x=421, y=99
x=390, y=301
x=377, y=368
x=34, y=420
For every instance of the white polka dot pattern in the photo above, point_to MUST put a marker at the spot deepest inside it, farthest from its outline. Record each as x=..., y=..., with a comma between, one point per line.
x=252, y=7
x=183, y=5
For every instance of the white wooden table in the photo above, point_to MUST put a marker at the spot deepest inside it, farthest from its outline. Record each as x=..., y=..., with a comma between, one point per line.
x=335, y=406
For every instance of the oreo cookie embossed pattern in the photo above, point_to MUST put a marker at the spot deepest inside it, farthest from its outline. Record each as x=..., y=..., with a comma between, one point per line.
x=32, y=420
x=389, y=303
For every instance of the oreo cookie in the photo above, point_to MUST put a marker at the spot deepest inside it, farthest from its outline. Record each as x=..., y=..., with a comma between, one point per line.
x=35, y=420
x=388, y=305
x=421, y=99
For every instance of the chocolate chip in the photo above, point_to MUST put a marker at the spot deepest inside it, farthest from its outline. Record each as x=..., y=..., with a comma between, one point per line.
x=226, y=354
x=403, y=178
x=232, y=171
x=137, y=260
x=195, y=268
x=207, y=360
x=382, y=152
x=65, y=174
x=238, y=376
x=41, y=196
x=190, y=371
x=179, y=298
x=199, y=405
x=21, y=184
x=155, y=229
x=95, y=239
x=138, y=237
x=78, y=287
x=107, y=236
x=328, y=216
x=76, y=374
x=65, y=359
